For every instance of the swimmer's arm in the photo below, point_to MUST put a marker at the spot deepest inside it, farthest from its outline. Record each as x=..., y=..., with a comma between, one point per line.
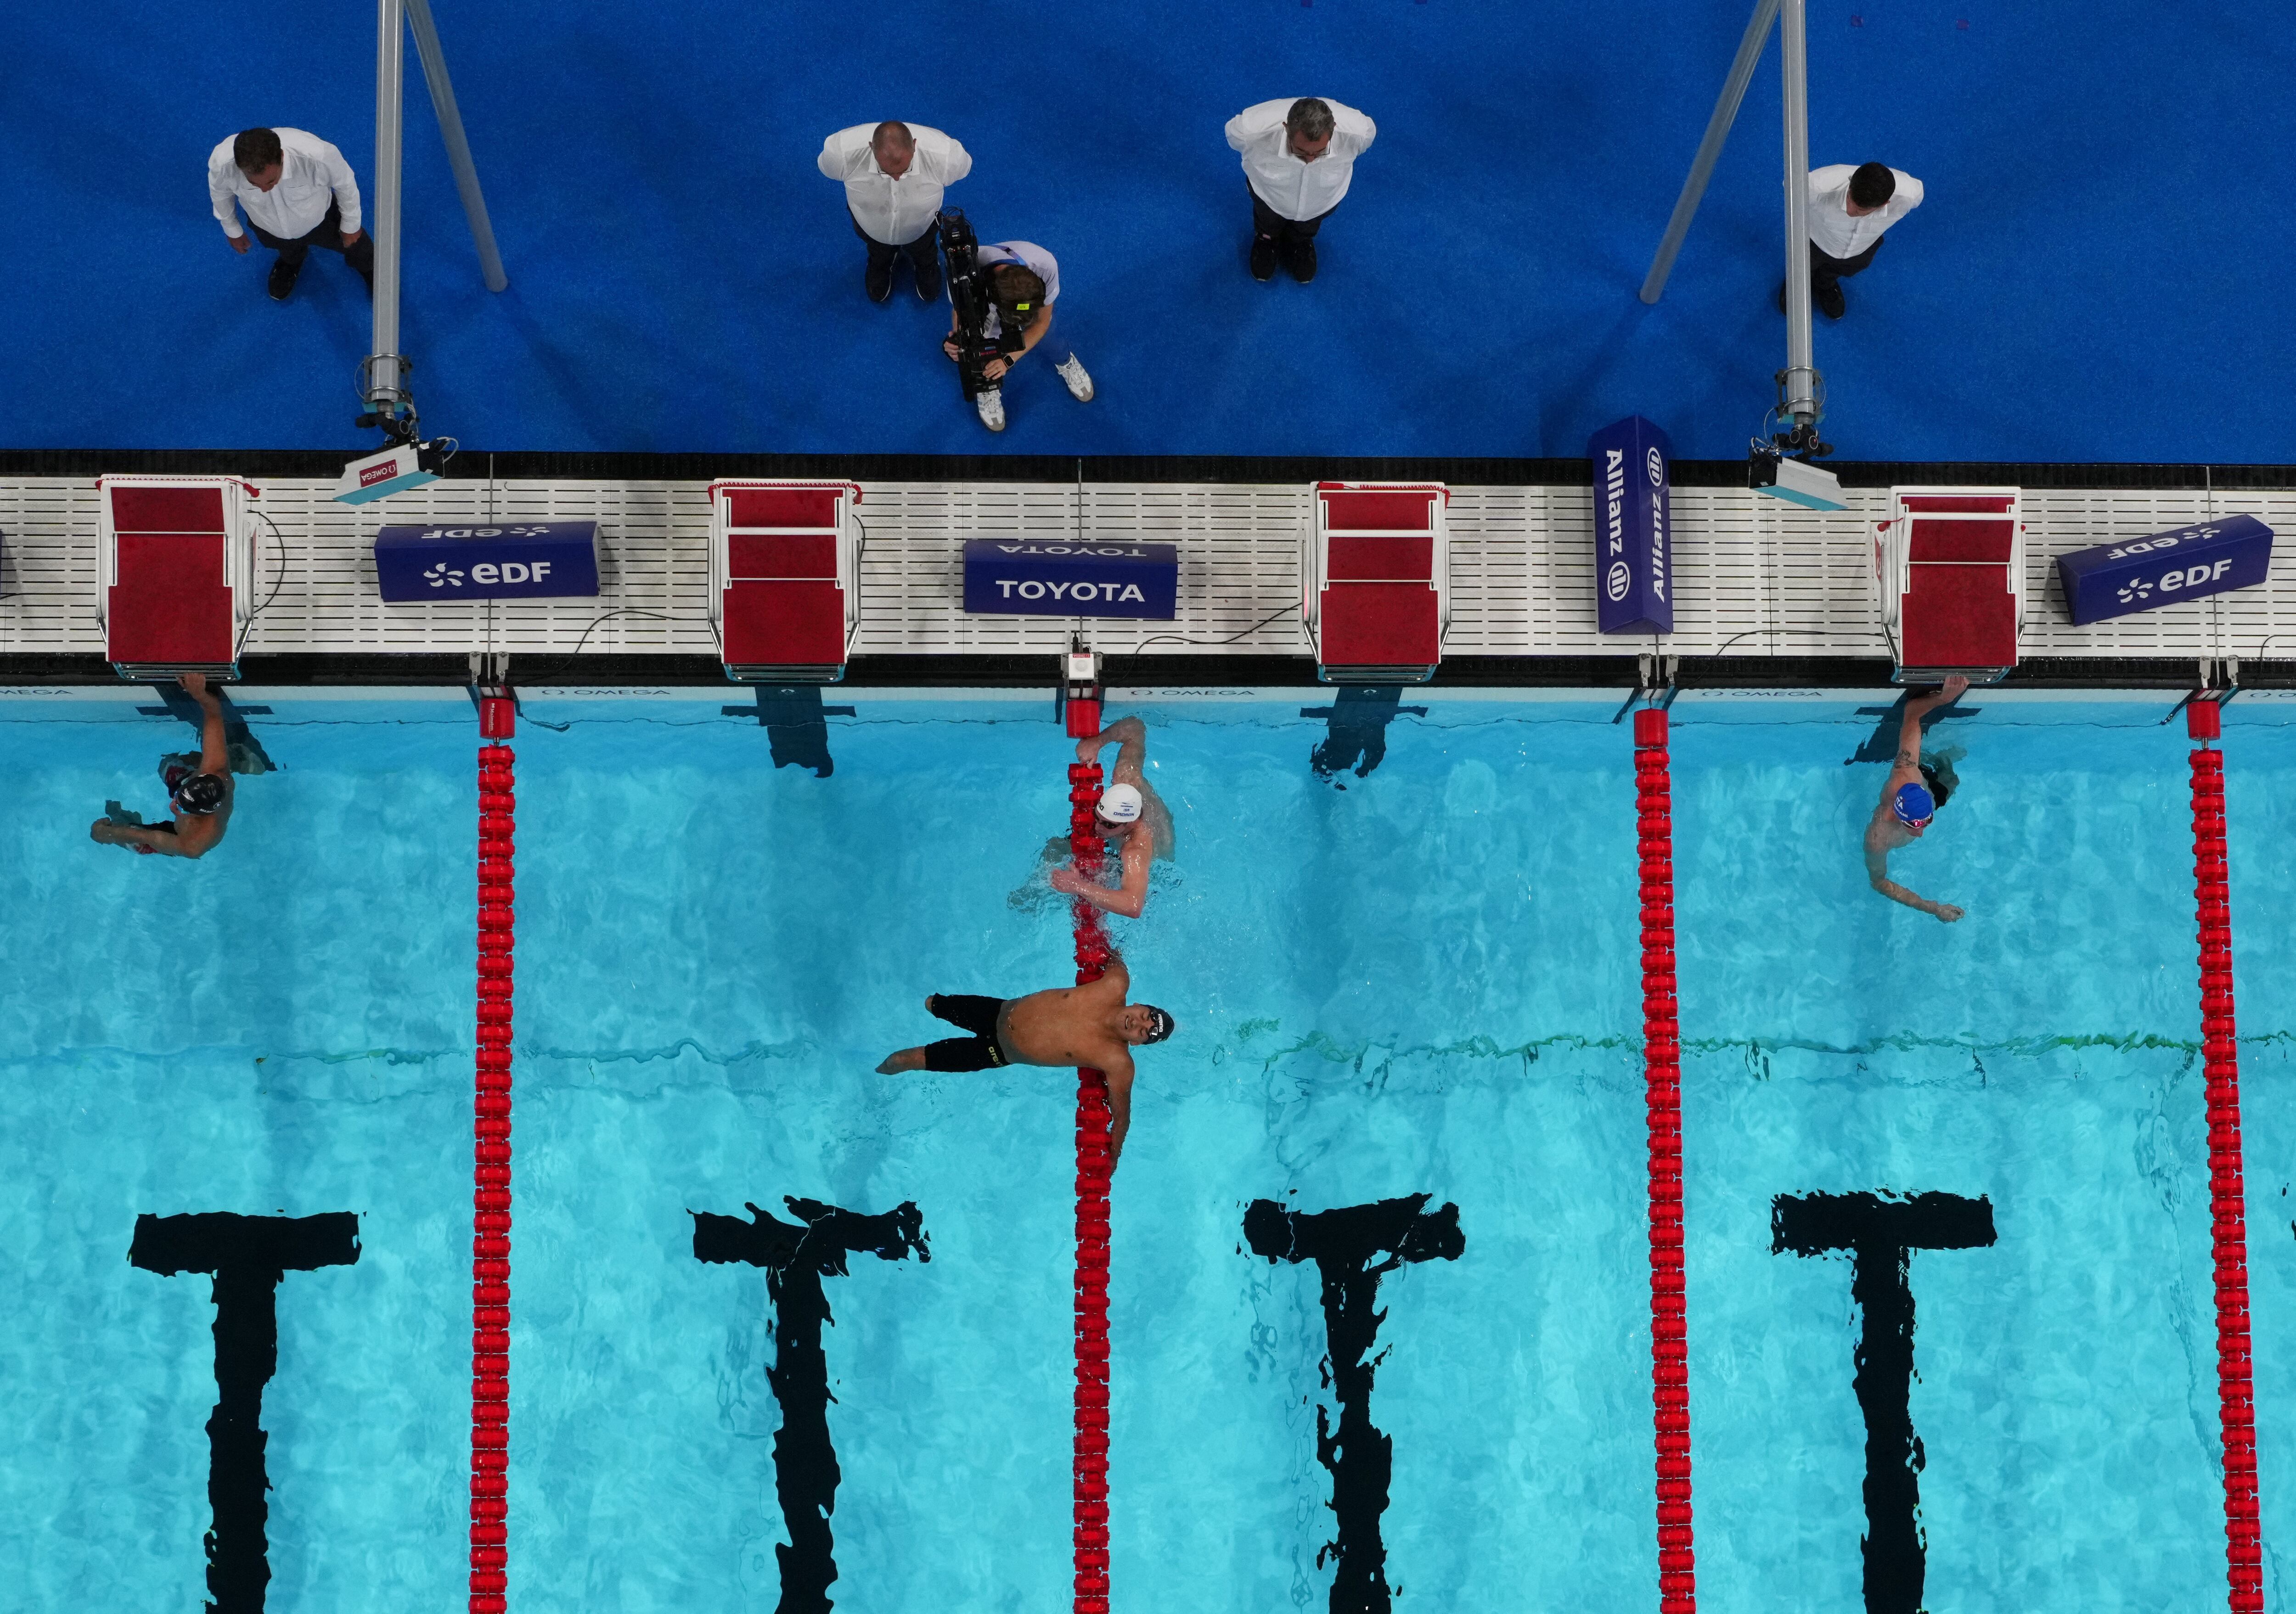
x=1877, y=872
x=1128, y=898
x=215, y=756
x=1119, y=1104
x=1129, y=732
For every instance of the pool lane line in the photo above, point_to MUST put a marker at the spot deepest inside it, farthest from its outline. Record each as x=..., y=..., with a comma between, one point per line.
x=1677, y=1565
x=1089, y=1458
x=490, y=1167
x=2227, y=1218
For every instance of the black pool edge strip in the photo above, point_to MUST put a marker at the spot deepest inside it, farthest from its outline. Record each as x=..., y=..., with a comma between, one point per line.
x=477, y=464
x=622, y=674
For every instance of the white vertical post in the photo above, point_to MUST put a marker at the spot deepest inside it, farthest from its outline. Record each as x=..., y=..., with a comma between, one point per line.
x=1709, y=148
x=382, y=388
x=1801, y=374
x=458, y=146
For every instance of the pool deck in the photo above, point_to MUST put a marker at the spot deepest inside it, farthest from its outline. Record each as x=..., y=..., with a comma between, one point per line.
x=1762, y=587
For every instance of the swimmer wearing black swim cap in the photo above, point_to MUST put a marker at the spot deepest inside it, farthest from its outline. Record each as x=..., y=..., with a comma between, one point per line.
x=1910, y=800
x=1087, y=1026
x=200, y=791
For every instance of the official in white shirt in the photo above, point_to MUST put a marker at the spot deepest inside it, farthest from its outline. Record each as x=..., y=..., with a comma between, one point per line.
x=1299, y=156
x=895, y=175
x=1024, y=281
x=298, y=193
x=1850, y=209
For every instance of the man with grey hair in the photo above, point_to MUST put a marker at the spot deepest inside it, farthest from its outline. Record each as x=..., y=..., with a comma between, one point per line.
x=894, y=175
x=1299, y=156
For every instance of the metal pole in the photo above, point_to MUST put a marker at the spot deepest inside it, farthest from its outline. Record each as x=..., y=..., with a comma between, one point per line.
x=1710, y=149
x=458, y=148
x=383, y=217
x=1801, y=375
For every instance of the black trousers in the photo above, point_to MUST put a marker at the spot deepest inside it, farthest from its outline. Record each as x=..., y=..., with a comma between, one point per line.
x=980, y=1051
x=922, y=253
x=1267, y=221
x=359, y=254
x=1826, y=272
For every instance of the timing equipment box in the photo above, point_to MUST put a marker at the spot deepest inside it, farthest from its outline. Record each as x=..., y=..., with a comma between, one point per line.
x=1024, y=577
x=2184, y=563
x=521, y=560
x=1634, y=532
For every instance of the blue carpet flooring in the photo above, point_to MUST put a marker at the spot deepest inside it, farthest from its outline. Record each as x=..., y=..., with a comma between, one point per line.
x=2099, y=273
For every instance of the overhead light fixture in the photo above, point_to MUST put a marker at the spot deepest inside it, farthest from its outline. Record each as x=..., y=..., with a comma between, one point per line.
x=395, y=469
x=1796, y=481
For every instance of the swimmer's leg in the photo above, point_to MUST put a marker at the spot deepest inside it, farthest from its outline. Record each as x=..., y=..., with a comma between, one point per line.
x=968, y=1010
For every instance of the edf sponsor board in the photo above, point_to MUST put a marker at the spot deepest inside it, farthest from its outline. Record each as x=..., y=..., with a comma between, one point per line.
x=1018, y=577
x=505, y=560
x=2183, y=564
x=1634, y=534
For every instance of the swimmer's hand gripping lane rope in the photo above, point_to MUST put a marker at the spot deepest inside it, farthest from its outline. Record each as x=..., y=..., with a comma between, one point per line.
x=2227, y=1218
x=490, y=1200
x=1094, y=1165
x=1677, y=1577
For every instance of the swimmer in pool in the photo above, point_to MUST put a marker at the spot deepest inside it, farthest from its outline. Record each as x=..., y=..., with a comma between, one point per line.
x=1909, y=800
x=1133, y=820
x=1090, y=1025
x=200, y=796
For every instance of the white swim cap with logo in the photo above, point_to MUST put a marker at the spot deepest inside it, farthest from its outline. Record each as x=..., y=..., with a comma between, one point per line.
x=1120, y=803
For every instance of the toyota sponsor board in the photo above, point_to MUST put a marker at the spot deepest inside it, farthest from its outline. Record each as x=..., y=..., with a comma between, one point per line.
x=1030, y=577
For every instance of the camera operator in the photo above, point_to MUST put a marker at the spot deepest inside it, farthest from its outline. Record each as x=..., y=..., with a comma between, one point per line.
x=1024, y=281
x=1298, y=158
x=894, y=175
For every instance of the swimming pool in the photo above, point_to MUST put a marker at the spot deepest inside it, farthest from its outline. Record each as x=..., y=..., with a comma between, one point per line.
x=1417, y=980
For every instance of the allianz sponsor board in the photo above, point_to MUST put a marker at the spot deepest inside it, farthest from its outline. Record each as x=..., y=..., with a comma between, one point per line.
x=1633, y=552
x=1022, y=577
x=2166, y=568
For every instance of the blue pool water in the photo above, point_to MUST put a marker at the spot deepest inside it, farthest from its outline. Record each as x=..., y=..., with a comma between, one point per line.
x=1425, y=982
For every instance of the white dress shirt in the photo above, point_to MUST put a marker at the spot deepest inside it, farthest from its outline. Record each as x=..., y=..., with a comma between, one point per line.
x=1293, y=189
x=311, y=173
x=1833, y=231
x=1030, y=256
x=894, y=211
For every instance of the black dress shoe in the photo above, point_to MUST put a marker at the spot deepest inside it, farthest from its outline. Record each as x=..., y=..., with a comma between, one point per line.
x=1781, y=296
x=928, y=279
x=1831, y=300
x=877, y=281
x=1263, y=258
x=1299, y=257
x=282, y=278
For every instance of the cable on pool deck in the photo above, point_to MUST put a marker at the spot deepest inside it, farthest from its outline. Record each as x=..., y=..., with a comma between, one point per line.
x=1094, y=1165
x=1678, y=1576
x=491, y=1198
x=2227, y=1218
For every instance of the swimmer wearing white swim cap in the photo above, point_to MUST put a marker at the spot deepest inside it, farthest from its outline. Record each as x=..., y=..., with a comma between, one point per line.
x=1909, y=802
x=1135, y=826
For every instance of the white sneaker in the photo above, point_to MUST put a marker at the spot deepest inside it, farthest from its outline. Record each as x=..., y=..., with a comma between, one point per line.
x=1079, y=383
x=991, y=405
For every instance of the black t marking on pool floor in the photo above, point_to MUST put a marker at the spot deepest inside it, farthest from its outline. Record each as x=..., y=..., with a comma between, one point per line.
x=1880, y=1232
x=247, y=1256
x=796, y=1258
x=796, y=724
x=1352, y=1248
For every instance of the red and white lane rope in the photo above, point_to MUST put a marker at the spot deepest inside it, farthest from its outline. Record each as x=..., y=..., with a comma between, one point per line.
x=2227, y=1217
x=490, y=1199
x=1094, y=1165
x=1677, y=1577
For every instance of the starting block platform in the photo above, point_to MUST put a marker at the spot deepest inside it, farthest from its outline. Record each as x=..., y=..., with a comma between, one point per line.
x=1755, y=580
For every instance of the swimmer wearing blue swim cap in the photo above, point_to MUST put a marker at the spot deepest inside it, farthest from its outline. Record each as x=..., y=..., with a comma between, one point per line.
x=1909, y=803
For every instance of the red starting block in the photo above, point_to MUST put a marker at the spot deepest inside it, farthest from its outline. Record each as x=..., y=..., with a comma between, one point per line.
x=1376, y=581
x=1950, y=563
x=784, y=578
x=175, y=573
